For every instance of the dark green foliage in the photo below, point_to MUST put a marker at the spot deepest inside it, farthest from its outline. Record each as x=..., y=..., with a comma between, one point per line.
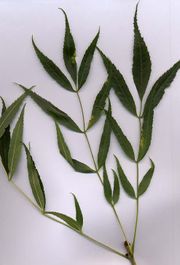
x=86, y=62
x=121, y=138
x=107, y=186
x=5, y=142
x=52, y=69
x=105, y=141
x=124, y=181
x=116, y=189
x=57, y=114
x=79, y=216
x=143, y=186
x=35, y=181
x=100, y=102
x=141, y=61
x=15, y=145
x=69, y=51
x=119, y=84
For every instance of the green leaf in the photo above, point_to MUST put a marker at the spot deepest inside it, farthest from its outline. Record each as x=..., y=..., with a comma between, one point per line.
x=79, y=216
x=105, y=141
x=63, y=148
x=65, y=152
x=81, y=167
x=100, y=102
x=159, y=87
x=146, y=180
x=69, y=51
x=35, y=181
x=116, y=189
x=146, y=133
x=57, y=114
x=15, y=145
x=10, y=113
x=119, y=85
x=5, y=142
x=141, y=60
x=52, y=69
x=107, y=186
x=67, y=219
x=124, y=181
x=121, y=138
x=86, y=62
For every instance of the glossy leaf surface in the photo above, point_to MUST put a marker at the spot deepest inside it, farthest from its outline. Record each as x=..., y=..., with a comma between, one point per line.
x=143, y=186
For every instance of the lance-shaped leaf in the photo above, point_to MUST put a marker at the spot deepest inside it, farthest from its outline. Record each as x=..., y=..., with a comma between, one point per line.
x=57, y=114
x=159, y=87
x=121, y=138
x=143, y=186
x=52, y=69
x=86, y=62
x=107, y=186
x=81, y=167
x=116, y=189
x=65, y=152
x=63, y=148
x=35, y=181
x=79, y=215
x=69, y=51
x=119, y=84
x=105, y=141
x=67, y=219
x=5, y=142
x=146, y=133
x=100, y=102
x=10, y=113
x=124, y=181
x=15, y=145
x=141, y=60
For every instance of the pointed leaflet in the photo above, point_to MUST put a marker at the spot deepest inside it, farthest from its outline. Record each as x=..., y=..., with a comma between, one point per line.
x=69, y=51
x=146, y=180
x=122, y=139
x=116, y=189
x=146, y=133
x=159, y=87
x=67, y=219
x=81, y=167
x=52, y=69
x=141, y=60
x=100, y=102
x=9, y=113
x=63, y=148
x=119, y=85
x=35, y=181
x=15, y=145
x=65, y=152
x=105, y=141
x=124, y=181
x=86, y=62
x=5, y=142
x=107, y=186
x=79, y=216
x=57, y=114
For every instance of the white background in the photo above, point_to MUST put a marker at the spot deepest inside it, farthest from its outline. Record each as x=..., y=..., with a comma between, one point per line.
x=26, y=237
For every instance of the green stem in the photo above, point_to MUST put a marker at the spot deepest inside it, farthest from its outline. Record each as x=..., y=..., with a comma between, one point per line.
x=137, y=184
x=77, y=231
x=87, y=237
x=95, y=165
